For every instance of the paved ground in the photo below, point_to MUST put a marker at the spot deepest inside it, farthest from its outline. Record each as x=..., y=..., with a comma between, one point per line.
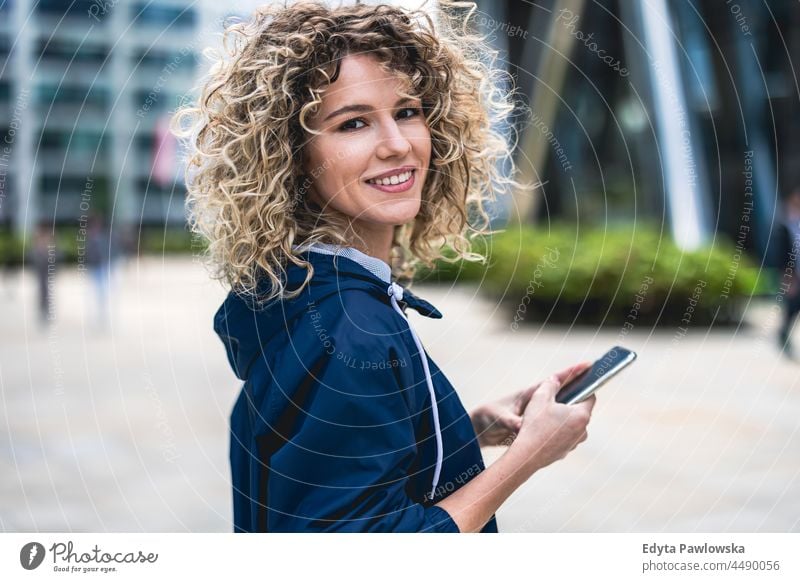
x=124, y=429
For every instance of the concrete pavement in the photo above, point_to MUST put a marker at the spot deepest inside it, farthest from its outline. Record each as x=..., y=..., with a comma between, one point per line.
x=124, y=428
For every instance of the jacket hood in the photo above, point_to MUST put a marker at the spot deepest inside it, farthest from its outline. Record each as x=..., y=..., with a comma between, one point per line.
x=244, y=327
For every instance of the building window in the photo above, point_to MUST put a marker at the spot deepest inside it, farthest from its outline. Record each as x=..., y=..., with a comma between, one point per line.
x=145, y=142
x=72, y=95
x=155, y=100
x=52, y=183
x=160, y=59
x=64, y=51
x=78, y=141
x=150, y=187
x=151, y=14
x=71, y=8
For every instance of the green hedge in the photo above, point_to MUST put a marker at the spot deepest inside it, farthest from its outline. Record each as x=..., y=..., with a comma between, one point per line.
x=590, y=276
x=170, y=241
x=146, y=241
x=563, y=274
x=10, y=249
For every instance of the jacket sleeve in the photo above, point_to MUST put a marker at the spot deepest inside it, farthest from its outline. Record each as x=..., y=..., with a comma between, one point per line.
x=346, y=464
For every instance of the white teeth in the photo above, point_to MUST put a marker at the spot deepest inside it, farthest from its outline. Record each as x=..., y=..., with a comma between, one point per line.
x=396, y=179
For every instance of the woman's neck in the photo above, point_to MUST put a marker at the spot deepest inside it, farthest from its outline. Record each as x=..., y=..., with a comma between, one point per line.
x=375, y=241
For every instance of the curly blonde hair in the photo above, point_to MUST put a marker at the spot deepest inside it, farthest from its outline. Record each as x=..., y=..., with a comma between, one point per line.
x=244, y=176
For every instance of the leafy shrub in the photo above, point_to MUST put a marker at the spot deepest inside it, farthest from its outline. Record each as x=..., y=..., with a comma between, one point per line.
x=10, y=249
x=159, y=241
x=147, y=241
x=629, y=273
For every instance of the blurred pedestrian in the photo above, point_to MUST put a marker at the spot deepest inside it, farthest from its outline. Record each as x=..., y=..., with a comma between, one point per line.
x=98, y=260
x=790, y=280
x=43, y=262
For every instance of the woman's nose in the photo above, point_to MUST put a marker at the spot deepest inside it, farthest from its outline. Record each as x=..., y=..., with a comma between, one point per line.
x=392, y=142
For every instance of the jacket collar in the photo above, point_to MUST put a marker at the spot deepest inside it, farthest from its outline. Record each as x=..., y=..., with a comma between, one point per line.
x=374, y=265
x=244, y=326
x=350, y=261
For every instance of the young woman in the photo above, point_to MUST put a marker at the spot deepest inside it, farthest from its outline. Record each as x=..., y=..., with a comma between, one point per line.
x=333, y=150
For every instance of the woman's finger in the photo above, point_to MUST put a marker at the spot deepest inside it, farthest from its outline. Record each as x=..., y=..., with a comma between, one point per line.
x=523, y=398
x=547, y=389
x=513, y=423
x=589, y=403
x=569, y=373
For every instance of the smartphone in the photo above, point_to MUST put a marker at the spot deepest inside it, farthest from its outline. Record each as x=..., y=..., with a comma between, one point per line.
x=585, y=384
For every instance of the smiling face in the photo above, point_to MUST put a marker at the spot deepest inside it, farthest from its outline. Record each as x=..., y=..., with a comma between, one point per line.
x=371, y=158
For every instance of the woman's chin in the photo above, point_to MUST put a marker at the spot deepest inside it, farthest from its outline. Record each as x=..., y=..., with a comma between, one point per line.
x=398, y=212
x=396, y=219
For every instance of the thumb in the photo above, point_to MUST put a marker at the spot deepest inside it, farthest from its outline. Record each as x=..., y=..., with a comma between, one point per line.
x=511, y=422
x=549, y=388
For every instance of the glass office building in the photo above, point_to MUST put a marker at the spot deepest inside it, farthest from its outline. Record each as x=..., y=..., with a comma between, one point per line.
x=661, y=110
x=85, y=89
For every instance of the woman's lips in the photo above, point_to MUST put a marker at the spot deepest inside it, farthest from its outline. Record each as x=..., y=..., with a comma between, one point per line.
x=393, y=188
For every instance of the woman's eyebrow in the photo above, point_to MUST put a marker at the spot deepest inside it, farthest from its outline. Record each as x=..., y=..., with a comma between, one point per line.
x=360, y=108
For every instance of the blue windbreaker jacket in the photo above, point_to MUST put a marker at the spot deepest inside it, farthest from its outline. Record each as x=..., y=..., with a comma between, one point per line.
x=334, y=429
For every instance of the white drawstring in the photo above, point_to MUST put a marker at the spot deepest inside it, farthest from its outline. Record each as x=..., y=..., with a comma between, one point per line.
x=396, y=293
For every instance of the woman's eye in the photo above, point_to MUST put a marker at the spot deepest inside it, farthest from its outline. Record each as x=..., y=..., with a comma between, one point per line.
x=348, y=125
x=414, y=111
x=404, y=113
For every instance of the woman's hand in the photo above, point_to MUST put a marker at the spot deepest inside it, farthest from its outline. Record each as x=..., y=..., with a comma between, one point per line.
x=550, y=430
x=498, y=422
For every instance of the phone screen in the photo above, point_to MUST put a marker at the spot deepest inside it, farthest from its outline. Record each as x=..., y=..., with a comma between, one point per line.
x=582, y=386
